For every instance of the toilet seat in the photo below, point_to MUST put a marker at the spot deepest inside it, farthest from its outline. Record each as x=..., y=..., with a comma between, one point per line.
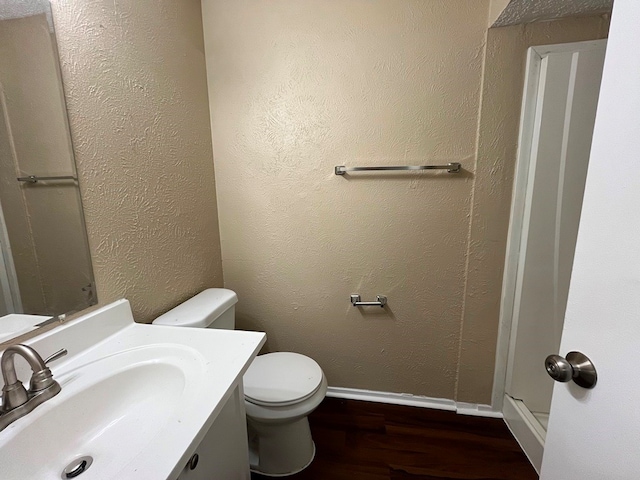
x=281, y=379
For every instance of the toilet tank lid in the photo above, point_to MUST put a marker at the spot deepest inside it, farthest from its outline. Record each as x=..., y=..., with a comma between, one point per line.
x=200, y=310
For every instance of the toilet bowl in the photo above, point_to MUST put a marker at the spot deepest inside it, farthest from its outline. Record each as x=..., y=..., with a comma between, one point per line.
x=281, y=389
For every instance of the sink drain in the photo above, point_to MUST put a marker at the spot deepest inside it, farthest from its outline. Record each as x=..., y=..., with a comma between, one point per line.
x=77, y=467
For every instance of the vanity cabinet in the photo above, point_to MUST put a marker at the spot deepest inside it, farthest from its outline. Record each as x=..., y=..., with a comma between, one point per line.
x=223, y=452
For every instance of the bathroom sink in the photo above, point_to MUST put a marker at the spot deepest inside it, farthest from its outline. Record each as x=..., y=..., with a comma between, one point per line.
x=125, y=398
x=133, y=402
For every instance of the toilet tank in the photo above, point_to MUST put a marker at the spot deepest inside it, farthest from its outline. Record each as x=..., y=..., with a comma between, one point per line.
x=211, y=308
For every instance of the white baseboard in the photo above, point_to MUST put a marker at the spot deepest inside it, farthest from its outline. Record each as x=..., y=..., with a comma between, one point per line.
x=477, y=410
x=408, y=399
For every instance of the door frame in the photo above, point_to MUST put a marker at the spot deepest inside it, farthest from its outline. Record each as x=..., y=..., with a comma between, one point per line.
x=525, y=427
x=506, y=328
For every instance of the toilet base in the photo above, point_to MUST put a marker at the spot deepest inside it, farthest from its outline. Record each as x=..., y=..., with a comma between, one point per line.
x=280, y=450
x=284, y=474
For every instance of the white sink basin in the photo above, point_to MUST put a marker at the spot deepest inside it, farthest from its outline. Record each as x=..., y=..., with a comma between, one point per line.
x=135, y=401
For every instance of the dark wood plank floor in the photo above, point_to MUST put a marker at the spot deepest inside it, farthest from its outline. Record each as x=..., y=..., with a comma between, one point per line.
x=372, y=441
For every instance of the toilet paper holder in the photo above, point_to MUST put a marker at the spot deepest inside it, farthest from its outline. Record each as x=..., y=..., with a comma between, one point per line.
x=356, y=301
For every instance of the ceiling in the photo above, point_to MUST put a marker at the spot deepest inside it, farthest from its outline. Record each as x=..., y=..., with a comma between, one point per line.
x=527, y=11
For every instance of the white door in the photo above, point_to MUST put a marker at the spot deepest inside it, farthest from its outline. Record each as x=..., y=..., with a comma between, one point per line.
x=595, y=434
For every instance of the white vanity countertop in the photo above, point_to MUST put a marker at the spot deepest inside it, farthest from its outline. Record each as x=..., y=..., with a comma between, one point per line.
x=152, y=393
x=16, y=324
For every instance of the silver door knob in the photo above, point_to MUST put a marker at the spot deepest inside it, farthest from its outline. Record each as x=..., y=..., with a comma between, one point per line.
x=576, y=367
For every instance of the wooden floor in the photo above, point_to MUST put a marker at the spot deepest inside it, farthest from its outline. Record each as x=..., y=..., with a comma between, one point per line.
x=372, y=441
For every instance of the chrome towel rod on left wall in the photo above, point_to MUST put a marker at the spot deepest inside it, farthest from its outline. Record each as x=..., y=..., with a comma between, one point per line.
x=453, y=167
x=35, y=178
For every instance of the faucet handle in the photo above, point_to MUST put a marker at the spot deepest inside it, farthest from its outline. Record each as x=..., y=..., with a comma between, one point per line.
x=44, y=379
x=55, y=356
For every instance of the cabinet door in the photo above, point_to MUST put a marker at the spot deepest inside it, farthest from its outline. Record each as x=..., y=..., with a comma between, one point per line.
x=223, y=452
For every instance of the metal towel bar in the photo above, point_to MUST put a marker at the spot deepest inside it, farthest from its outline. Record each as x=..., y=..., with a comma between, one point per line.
x=35, y=178
x=453, y=167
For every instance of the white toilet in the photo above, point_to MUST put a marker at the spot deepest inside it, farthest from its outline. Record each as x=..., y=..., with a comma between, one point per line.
x=280, y=389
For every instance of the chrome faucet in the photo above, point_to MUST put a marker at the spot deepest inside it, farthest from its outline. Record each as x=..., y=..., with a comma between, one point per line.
x=16, y=400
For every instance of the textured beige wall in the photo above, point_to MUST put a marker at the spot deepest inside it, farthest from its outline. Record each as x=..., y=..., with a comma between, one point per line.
x=136, y=90
x=497, y=148
x=297, y=88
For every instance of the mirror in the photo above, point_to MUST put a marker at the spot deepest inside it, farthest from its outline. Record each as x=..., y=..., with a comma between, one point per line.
x=45, y=265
